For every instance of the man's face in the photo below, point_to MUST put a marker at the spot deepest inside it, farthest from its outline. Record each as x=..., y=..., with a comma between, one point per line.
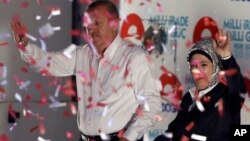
x=102, y=28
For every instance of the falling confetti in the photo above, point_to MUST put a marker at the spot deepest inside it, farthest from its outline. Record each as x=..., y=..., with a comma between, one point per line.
x=69, y=135
x=54, y=12
x=46, y=30
x=198, y=137
x=18, y=97
x=68, y=51
x=4, y=137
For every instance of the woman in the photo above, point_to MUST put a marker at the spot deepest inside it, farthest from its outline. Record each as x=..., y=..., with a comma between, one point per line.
x=208, y=109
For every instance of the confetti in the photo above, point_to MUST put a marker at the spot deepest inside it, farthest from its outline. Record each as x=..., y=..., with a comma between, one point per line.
x=24, y=69
x=159, y=7
x=18, y=97
x=18, y=80
x=75, y=32
x=24, y=85
x=73, y=108
x=38, y=17
x=105, y=110
x=168, y=135
x=3, y=71
x=25, y=4
x=104, y=136
x=68, y=51
x=42, y=129
x=12, y=127
x=46, y=30
x=54, y=12
x=5, y=43
x=199, y=105
x=57, y=105
x=69, y=135
x=33, y=128
x=3, y=83
x=42, y=139
x=198, y=137
x=4, y=138
x=57, y=90
x=31, y=37
x=4, y=36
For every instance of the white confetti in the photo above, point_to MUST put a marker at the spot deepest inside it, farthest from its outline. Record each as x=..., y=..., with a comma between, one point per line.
x=46, y=30
x=67, y=52
x=105, y=111
x=146, y=106
x=57, y=105
x=18, y=97
x=38, y=17
x=198, y=137
x=42, y=139
x=13, y=126
x=57, y=90
x=54, y=12
x=172, y=29
x=31, y=37
x=24, y=85
x=4, y=82
x=200, y=106
x=43, y=45
x=104, y=136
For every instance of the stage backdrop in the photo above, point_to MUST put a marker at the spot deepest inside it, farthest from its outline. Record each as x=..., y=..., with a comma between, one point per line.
x=184, y=22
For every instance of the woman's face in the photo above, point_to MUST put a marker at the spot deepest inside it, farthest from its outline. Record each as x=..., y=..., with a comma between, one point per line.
x=202, y=70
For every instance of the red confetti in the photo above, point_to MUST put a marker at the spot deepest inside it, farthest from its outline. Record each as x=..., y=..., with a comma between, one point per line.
x=32, y=61
x=190, y=126
x=42, y=129
x=66, y=113
x=44, y=72
x=11, y=111
x=4, y=138
x=75, y=32
x=129, y=1
x=189, y=44
x=43, y=99
x=33, y=128
x=220, y=108
x=2, y=90
x=129, y=85
x=114, y=68
x=18, y=80
x=38, y=86
x=28, y=97
x=5, y=1
x=142, y=3
x=69, y=135
x=25, y=4
x=24, y=69
x=159, y=7
x=4, y=43
x=85, y=1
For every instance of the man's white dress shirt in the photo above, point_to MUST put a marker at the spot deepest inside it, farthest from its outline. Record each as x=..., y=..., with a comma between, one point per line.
x=110, y=87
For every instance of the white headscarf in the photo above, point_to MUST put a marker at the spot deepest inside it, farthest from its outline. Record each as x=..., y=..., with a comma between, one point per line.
x=205, y=47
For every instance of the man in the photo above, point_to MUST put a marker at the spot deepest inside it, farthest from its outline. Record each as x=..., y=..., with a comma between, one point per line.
x=115, y=78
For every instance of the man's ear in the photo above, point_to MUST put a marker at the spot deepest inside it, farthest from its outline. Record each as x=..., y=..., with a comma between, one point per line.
x=115, y=24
